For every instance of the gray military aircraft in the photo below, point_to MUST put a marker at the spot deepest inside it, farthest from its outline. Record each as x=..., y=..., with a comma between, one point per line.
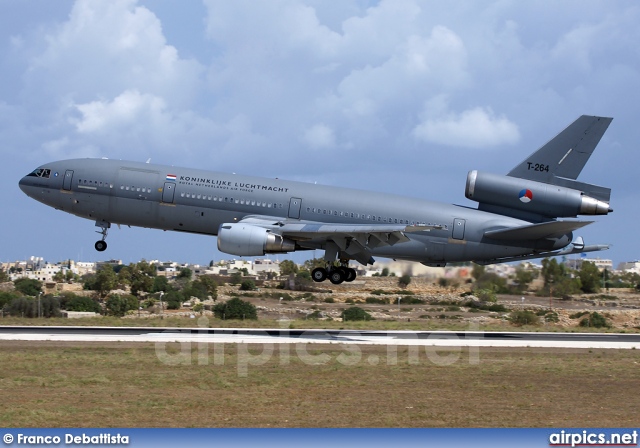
x=516, y=218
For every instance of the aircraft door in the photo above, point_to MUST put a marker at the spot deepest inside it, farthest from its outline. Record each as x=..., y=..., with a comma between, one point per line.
x=458, y=229
x=66, y=182
x=294, y=208
x=168, y=192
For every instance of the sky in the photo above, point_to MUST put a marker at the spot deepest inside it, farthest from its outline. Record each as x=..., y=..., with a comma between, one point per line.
x=398, y=96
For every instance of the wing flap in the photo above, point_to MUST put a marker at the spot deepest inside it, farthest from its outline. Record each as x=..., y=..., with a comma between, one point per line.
x=551, y=229
x=356, y=240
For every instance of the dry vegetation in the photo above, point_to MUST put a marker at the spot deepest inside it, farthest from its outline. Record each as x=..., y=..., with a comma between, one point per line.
x=126, y=385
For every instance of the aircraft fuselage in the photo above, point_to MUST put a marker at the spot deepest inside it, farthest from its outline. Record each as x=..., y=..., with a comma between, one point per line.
x=199, y=201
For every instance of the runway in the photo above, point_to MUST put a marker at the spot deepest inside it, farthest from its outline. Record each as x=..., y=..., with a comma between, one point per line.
x=301, y=336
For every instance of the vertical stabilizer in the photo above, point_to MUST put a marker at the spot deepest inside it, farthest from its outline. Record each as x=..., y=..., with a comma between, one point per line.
x=566, y=154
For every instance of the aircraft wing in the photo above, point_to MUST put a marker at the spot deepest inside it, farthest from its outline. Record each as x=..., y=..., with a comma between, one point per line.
x=357, y=240
x=550, y=229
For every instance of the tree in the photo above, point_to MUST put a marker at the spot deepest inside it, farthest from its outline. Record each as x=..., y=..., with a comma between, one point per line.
x=524, y=317
x=557, y=279
x=477, y=271
x=196, y=289
x=185, y=273
x=118, y=305
x=3, y=276
x=589, y=277
x=174, y=300
x=23, y=307
x=288, y=267
x=124, y=276
x=385, y=272
x=58, y=277
x=235, y=309
x=47, y=306
x=50, y=306
x=105, y=280
x=236, y=278
x=404, y=281
x=142, y=277
x=355, y=313
x=6, y=298
x=310, y=265
x=81, y=303
x=210, y=286
x=70, y=276
x=160, y=283
x=552, y=270
x=491, y=281
x=596, y=320
x=28, y=286
x=523, y=278
x=248, y=285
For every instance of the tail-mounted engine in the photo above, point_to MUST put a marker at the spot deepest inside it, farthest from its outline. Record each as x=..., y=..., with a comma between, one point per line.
x=544, y=199
x=247, y=240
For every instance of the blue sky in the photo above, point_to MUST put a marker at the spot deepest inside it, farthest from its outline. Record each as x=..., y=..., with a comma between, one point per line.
x=401, y=96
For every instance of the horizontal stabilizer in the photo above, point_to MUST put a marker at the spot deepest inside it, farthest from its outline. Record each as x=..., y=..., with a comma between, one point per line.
x=592, y=248
x=550, y=229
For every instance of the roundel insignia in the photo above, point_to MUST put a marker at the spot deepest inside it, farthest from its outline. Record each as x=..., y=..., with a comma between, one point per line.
x=525, y=195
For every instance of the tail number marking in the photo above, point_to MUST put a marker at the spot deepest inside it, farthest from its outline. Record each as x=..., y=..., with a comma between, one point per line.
x=537, y=167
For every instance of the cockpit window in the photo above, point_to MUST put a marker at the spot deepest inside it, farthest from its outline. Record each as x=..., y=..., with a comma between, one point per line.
x=41, y=172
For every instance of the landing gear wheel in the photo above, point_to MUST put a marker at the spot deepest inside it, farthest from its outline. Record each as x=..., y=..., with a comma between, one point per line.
x=336, y=276
x=101, y=246
x=319, y=274
x=350, y=275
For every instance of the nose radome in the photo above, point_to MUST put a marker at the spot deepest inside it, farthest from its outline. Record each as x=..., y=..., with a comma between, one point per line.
x=23, y=184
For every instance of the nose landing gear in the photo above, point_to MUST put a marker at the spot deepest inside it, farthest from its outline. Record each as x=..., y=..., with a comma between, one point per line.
x=101, y=245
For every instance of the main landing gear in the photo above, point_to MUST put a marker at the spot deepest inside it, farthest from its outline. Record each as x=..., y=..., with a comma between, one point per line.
x=101, y=245
x=336, y=275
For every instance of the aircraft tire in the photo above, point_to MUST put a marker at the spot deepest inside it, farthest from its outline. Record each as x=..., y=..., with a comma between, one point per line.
x=319, y=274
x=350, y=275
x=336, y=276
x=101, y=246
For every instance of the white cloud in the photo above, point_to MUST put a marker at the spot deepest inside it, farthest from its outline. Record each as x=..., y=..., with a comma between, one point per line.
x=319, y=136
x=107, y=47
x=473, y=128
x=125, y=110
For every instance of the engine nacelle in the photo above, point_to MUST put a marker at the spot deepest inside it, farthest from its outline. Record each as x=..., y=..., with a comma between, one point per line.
x=247, y=240
x=530, y=196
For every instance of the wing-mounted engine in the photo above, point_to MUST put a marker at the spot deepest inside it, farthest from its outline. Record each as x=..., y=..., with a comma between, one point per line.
x=544, y=199
x=248, y=240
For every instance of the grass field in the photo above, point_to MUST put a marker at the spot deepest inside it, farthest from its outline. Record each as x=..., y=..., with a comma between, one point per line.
x=122, y=384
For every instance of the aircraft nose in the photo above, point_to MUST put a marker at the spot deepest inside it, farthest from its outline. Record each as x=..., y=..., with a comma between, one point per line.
x=23, y=184
x=26, y=184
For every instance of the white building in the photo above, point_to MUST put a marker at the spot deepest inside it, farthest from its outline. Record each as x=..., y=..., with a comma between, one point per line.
x=630, y=266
